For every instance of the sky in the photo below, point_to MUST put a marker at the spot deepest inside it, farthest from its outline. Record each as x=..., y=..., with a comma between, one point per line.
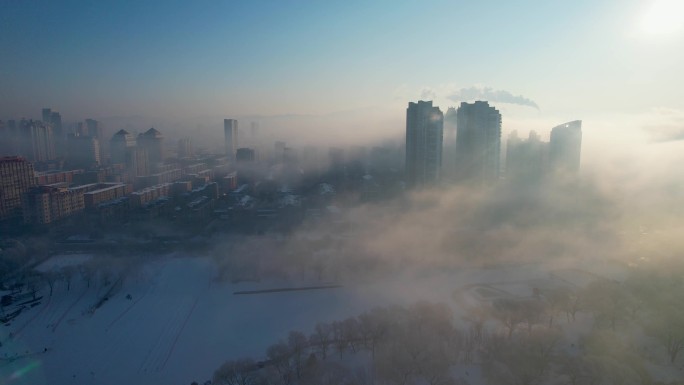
x=186, y=60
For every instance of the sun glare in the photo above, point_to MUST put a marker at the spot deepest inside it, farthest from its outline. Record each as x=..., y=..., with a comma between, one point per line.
x=663, y=17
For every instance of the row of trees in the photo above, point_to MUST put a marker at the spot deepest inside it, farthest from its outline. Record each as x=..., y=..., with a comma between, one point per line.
x=512, y=341
x=404, y=345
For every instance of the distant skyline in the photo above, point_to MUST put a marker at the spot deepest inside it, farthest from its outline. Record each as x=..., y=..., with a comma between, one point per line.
x=348, y=67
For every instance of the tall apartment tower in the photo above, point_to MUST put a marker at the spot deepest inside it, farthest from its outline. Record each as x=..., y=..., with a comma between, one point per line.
x=478, y=143
x=37, y=141
x=93, y=128
x=565, y=147
x=120, y=144
x=424, y=134
x=153, y=142
x=58, y=134
x=16, y=178
x=56, y=121
x=46, y=115
x=83, y=151
x=230, y=129
x=184, y=147
x=526, y=159
x=124, y=151
x=449, y=150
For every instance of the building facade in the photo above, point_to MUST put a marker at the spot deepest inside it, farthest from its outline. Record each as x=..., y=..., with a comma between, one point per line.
x=46, y=204
x=230, y=130
x=478, y=143
x=424, y=135
x=37, y=141
x=153, y=142
x=526, y=159
x=120, y=145
x=83, y=151
x=16, y=178
x=565, y=147
x=245, y=154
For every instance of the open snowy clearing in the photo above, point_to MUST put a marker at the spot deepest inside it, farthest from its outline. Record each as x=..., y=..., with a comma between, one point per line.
x=172, y=323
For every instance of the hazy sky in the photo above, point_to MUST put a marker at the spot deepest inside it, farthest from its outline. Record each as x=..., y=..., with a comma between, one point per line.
x=574, y=59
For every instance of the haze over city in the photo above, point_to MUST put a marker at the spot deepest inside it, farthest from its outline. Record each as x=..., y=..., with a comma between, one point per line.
x=185, y=62
x=301, y=192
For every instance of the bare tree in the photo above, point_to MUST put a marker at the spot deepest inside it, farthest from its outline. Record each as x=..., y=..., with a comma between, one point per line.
x=341, y=343
x=68, y=274
x=50, y=278
x=238, y=372
x=666, y=325
x=350, y=332
x=279, y=356
x=578, y=370
x=533, y=312
x=373, y=327
x=297, y=344
x=509, y=312
x=514, y=361
x=321, y=338
x=617, y=362
x=607, y=300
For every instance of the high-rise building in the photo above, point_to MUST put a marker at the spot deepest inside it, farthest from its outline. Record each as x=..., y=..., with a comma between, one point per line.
x=184, y=147
x=37, y=141
x=93, y=128
x=137, y=161
x=230, y=130
x=526, y=160
x=565, y=147
x=58, y=133
x=47, y=115
x=16, y=178
x=478, y=143
x=83, y=151
x=449, y=149
x=245, y=154
x=424, y=135
x=119, y=145
x=56, y=121
x=153, y=142
x=125, y=151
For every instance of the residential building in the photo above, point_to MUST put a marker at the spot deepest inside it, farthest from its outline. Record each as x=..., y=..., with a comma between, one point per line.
x=565, y=147
x=230, y=130
x=245, y=155
x=526, y=160
x=16, y=178
x=50, y=203
x=153, y=142
x=424, y=134
x=478, y=143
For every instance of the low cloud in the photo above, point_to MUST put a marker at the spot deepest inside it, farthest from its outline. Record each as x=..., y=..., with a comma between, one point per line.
x=665, y=125
x=492, y=95
x=428, y=93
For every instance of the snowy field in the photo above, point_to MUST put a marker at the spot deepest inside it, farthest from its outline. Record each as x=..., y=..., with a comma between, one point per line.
x=171, y=322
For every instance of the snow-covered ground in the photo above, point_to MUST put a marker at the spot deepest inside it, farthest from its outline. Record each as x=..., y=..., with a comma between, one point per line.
x=179, y=324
